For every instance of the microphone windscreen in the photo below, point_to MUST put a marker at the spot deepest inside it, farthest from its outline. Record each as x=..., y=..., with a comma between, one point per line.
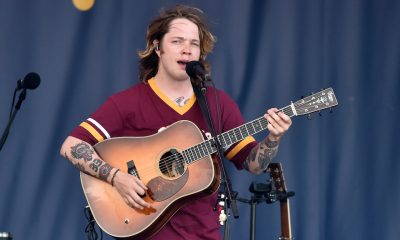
x=31, y=80
x=194, y=68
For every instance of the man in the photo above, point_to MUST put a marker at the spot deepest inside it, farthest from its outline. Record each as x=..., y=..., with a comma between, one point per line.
x=165, y=95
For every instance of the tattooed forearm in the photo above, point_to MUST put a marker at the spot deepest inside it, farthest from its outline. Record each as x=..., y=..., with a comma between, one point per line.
x=85, y=159
x=261, y=156
x=82, y=150
x=105, y=170
x=81, y=168
x=95, y=165
x=77, y=165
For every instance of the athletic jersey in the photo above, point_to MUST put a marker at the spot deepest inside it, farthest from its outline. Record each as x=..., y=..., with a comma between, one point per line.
x=144, y=110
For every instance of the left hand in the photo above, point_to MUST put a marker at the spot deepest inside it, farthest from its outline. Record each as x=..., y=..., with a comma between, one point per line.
x=279, y=123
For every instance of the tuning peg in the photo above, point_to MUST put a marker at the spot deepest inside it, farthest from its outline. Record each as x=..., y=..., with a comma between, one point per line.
x=309, y=117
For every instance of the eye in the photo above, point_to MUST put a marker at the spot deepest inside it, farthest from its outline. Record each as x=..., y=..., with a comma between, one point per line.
x=176, y=41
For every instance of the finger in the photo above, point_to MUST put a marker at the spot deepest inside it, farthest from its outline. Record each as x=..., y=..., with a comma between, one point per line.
x=141, y=184
x=130, y=202
x=282, y=121
x=276, y=117
x=272, y=110
x=285, y=118
x=140, y=202
x=138, y=189
x=275, y=130
x=274, y=122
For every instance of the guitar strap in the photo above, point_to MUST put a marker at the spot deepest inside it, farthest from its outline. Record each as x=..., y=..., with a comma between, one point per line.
x=204, y=109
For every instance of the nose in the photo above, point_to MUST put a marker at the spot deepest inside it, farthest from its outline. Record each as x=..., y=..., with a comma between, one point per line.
x=187, y=48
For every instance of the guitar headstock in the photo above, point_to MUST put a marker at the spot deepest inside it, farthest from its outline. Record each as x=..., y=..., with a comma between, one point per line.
x=316, y=102
x=276, y=174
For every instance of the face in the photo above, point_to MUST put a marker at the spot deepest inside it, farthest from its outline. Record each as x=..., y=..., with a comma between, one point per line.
x=180, y=45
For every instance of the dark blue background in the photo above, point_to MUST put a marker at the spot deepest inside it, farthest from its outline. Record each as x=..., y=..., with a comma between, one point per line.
x=344, y=167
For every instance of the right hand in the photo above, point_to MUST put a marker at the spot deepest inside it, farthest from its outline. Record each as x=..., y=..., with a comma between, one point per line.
x=130, y=188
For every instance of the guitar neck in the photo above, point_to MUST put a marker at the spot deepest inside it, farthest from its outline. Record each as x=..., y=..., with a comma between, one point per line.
x=315, y=102
x=230, y=137
x=286, y=228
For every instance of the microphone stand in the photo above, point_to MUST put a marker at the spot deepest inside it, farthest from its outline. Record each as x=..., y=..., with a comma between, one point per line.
x=228, y=196
x=262, y=192
x=22, y=97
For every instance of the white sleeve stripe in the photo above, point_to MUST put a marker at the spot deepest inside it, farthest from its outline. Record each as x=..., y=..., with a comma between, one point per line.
x=99, y=127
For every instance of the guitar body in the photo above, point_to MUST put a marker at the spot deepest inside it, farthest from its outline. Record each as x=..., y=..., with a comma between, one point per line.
x=168, y=190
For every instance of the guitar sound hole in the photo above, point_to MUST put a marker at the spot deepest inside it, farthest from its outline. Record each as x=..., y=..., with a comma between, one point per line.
x=172, y=164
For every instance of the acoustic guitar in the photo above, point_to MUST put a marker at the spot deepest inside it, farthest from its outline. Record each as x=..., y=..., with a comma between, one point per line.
x=176, y=165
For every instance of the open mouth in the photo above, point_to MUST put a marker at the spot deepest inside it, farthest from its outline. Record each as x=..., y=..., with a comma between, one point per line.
x=182, y=63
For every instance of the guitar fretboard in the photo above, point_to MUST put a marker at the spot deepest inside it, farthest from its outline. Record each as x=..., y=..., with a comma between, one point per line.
x=230, y=137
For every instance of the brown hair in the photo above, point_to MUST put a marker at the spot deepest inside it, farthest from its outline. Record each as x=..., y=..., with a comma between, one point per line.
x=148, y=63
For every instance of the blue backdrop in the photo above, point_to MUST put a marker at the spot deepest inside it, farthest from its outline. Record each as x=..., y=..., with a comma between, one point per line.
x=344, y=166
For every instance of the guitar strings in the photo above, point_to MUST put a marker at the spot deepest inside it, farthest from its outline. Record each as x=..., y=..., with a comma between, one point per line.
x=178, y=158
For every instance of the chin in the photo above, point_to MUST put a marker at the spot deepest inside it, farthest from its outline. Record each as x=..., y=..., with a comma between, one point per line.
x=184, y=77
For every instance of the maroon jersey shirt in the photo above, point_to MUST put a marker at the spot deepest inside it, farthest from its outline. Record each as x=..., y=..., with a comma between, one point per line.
x=144, y=110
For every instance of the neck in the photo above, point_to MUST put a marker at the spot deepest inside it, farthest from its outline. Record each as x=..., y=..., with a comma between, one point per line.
x=174, y=89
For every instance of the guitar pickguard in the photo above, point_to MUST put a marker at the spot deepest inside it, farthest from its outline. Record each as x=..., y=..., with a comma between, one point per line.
x=161, y=189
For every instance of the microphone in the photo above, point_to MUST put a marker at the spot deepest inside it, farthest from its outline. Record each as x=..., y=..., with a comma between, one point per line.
x=195, y=70
x=30, y=81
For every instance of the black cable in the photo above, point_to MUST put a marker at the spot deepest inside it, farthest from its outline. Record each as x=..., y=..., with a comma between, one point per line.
x=90, y=228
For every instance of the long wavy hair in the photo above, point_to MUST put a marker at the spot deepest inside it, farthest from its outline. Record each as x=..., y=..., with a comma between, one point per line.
x=148, y=63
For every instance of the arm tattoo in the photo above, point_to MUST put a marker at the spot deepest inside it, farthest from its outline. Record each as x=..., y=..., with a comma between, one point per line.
x=263, y=154
x=95, y=165
x=82, y=150
x=77, y=165
x=81, y=168
x=246, y=164
x=105, y=170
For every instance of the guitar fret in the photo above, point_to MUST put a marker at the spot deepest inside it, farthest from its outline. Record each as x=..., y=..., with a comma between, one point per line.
x=202, y=153
x=196, y=152
x=221, y=140
x=205, y=149
x=185, y=156
x=230, y=137
x=242, y=130
x=254, y=128
x=191, y=153
x=250, y=129
x=236, y=131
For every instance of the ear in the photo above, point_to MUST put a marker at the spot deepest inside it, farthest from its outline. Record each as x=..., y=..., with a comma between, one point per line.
x=156, y=45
